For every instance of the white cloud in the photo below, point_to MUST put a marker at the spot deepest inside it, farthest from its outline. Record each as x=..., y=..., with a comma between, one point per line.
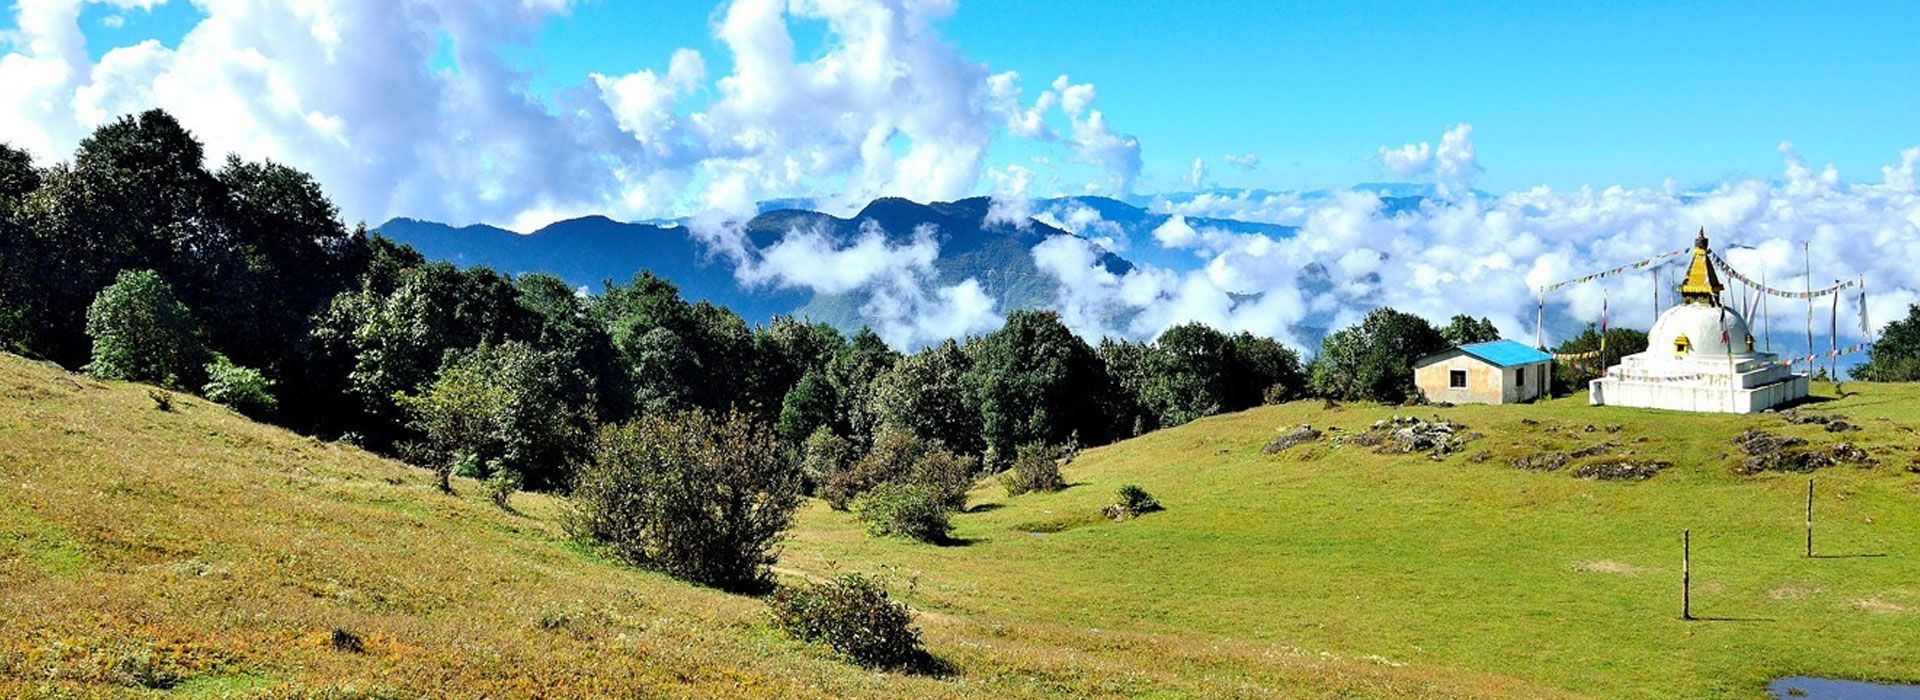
x=886, y=108
x=1487, y=257
x=1244, y=161
x=1011, y=205
x=1197, y=176
x=1452, y=166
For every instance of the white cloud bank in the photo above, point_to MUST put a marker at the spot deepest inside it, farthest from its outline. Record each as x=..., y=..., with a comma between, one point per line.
x=1488, y=256
x=350, y=90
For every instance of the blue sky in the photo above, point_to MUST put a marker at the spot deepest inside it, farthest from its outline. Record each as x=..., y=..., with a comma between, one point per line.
x=521, y=113
x=1562, y=94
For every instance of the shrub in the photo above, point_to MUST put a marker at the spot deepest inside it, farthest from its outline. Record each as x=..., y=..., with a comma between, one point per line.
x=899, y=456
x=701, y=496
x=243, y=388
x=1034, y=469
x=141, y=333
x=1136, y=500
x=525, y=409
x=853, y=615
x=904, y=510
x=822, y=456
x=501, y=486
x=947, y=475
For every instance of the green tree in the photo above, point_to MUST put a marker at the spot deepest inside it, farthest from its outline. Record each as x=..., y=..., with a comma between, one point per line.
x=853, y=371
x=1187, y=374
x=925, y=394
x=1467, y=330
x=395, y=342
x=1262, y=371
x=506, y=407
x=699, y=495
x=1895, y=356
x=1572, y=376
x=1035, y=381
x=141, y=333
x=1373, y=361
x=811, y=405
x=678, y=355
x=136, y=197
x=243, y=388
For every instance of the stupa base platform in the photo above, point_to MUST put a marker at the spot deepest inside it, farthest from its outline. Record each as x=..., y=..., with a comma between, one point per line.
x=1697, y=396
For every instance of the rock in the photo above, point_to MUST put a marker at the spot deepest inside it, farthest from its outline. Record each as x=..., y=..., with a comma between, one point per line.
x=1299, y=435
x=1848, y=453
x=1613, y=428
x=1593, y=450
x=1621, y=469
x=1542, y=462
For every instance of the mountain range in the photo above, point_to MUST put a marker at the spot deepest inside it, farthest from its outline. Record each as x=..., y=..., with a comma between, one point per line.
x=973, y=244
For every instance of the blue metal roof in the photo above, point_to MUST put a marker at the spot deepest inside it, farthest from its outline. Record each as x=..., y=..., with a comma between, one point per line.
x=1506, y=353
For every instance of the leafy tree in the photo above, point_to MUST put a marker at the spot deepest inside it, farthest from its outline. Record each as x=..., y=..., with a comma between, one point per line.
x=135, y=197
x=1262, y=371
x=811, y=405
x=1373, y=361
x=925, y=394
x=17, y=176
x=1895, y=356
x=1127, y=365
x=1035, y=381
x=701, y=496
x=1187, y=374
x=395, y=342
x=679, y=355
x=563, y=325
x=1466, y=330
x=784, y=352
x=822, y=456
x=853, y=371
x=506, y=407
x=243, y=388
x=141, y=333
x=1621, y=342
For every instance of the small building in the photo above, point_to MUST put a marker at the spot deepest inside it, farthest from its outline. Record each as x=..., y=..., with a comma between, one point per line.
x=1501, y=371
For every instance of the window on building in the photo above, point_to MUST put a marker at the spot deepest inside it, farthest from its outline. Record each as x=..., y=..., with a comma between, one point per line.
x=1457, y=379
x=1520, y=377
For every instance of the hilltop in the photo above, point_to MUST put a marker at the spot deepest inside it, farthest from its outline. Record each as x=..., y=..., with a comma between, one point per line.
x=195, y=550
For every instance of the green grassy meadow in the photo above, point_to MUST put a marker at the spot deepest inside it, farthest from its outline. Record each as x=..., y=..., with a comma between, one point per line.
x=194, y=553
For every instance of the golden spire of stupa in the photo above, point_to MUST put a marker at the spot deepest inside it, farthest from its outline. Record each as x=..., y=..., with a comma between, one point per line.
x=1702, y=285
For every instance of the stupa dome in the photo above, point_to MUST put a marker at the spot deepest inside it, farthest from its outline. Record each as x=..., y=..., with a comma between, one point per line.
x=1700, y=325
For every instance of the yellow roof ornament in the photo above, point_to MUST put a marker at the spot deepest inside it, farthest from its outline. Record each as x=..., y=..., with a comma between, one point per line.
x=1702, y=285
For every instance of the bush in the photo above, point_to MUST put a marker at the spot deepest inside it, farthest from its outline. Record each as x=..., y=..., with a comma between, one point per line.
x=905, y=510
x=142, y=333
x=899, y=456
x=949, y=476
x=853, y=615
x=822, y=456
x=243, y=388
x=701, y=496
x=1034, y=469
x=1136, y=500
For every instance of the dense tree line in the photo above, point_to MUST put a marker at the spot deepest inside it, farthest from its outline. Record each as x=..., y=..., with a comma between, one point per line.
x=137, y=262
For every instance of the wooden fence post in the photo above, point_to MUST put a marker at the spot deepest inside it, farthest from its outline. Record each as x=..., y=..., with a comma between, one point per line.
x=1809, y=517
x=1686, y=574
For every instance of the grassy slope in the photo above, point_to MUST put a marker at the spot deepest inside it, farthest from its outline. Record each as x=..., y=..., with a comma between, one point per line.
x=1537, y=577
x=194, y=550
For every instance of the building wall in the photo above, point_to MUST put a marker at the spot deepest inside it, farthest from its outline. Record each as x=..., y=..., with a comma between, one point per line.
x=1485, y=382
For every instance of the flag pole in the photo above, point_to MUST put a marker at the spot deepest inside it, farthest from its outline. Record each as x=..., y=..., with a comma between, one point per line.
x=1806, y=249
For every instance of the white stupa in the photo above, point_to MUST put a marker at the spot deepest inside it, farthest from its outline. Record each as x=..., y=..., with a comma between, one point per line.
x=1699, y=357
